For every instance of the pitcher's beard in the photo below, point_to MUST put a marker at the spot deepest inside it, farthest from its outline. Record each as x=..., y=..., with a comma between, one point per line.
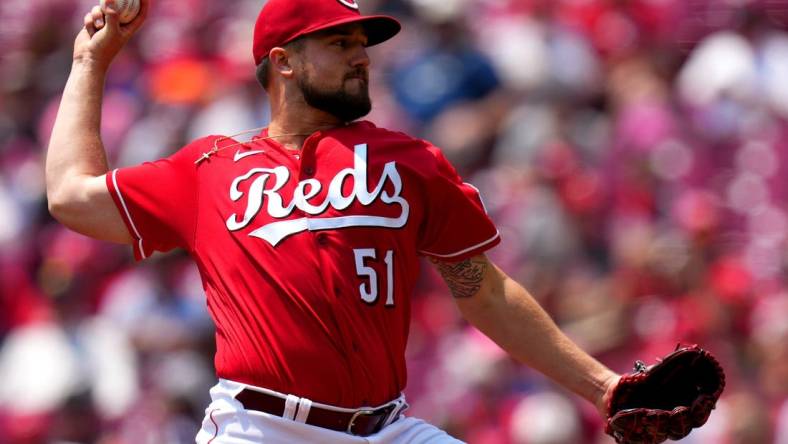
x=339, y=103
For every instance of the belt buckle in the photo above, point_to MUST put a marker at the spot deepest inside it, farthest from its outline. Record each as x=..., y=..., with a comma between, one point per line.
x=360, y=412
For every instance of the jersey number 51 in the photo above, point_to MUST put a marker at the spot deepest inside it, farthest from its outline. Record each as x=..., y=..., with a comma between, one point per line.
x=369, y=290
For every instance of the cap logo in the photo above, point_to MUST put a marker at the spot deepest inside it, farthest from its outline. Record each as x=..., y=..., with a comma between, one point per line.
x=349, y=3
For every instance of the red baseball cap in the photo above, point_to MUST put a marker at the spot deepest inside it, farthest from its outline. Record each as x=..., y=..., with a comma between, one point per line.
x=281, y=21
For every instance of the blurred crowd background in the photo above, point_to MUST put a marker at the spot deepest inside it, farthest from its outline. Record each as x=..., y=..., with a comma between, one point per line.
x=634, y=154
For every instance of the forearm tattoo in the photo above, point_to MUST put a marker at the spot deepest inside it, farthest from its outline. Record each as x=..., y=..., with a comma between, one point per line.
x=463, y=278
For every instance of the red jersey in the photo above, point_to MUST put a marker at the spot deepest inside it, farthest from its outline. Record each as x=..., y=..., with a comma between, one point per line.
x=308, y=258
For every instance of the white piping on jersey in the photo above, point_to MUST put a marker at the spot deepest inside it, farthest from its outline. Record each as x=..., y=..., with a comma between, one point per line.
x=479, y=193
x=128, y=214
x=481, y=244
x=240, y=155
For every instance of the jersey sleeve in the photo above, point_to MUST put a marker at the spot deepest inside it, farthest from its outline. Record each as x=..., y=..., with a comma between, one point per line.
x=456, y=225
x=158, y=200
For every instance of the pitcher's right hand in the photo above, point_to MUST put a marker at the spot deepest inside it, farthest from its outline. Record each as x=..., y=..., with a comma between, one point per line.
x=104, y=36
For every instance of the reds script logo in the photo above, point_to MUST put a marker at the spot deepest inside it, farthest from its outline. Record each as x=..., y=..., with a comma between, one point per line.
x=266, y=183
x=349, y=3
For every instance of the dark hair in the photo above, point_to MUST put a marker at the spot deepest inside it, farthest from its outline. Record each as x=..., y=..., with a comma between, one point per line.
x=263, y=71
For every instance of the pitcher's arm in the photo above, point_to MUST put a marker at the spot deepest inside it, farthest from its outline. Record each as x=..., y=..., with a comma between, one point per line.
x=505, y=312
x=76, y=163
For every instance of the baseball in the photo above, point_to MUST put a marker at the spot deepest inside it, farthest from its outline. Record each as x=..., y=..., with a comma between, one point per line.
x=127, y=9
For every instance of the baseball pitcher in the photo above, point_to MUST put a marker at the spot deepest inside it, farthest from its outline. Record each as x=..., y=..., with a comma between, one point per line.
x=307, y=238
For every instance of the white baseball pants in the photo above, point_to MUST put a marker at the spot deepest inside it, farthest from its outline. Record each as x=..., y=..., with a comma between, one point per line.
x=227, y=422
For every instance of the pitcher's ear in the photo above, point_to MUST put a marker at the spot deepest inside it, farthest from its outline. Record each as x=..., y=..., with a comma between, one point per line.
x=280, y=61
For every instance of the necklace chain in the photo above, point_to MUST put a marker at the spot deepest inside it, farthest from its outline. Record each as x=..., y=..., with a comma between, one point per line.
x=207, y=155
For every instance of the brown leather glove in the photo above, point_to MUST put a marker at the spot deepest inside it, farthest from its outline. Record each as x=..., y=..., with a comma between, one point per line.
x=666, y=400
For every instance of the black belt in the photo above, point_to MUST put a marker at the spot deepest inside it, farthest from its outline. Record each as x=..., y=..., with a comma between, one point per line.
x=361, y=422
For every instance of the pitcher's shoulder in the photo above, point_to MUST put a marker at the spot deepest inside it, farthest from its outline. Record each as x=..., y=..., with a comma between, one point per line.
x=371, y=130
x=204, y=148
x=406, y=150
x=383, y=138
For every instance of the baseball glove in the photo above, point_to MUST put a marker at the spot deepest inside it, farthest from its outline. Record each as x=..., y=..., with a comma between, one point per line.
x=666, y=400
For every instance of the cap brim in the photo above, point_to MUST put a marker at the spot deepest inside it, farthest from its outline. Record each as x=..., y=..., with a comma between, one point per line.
x=378, y=28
